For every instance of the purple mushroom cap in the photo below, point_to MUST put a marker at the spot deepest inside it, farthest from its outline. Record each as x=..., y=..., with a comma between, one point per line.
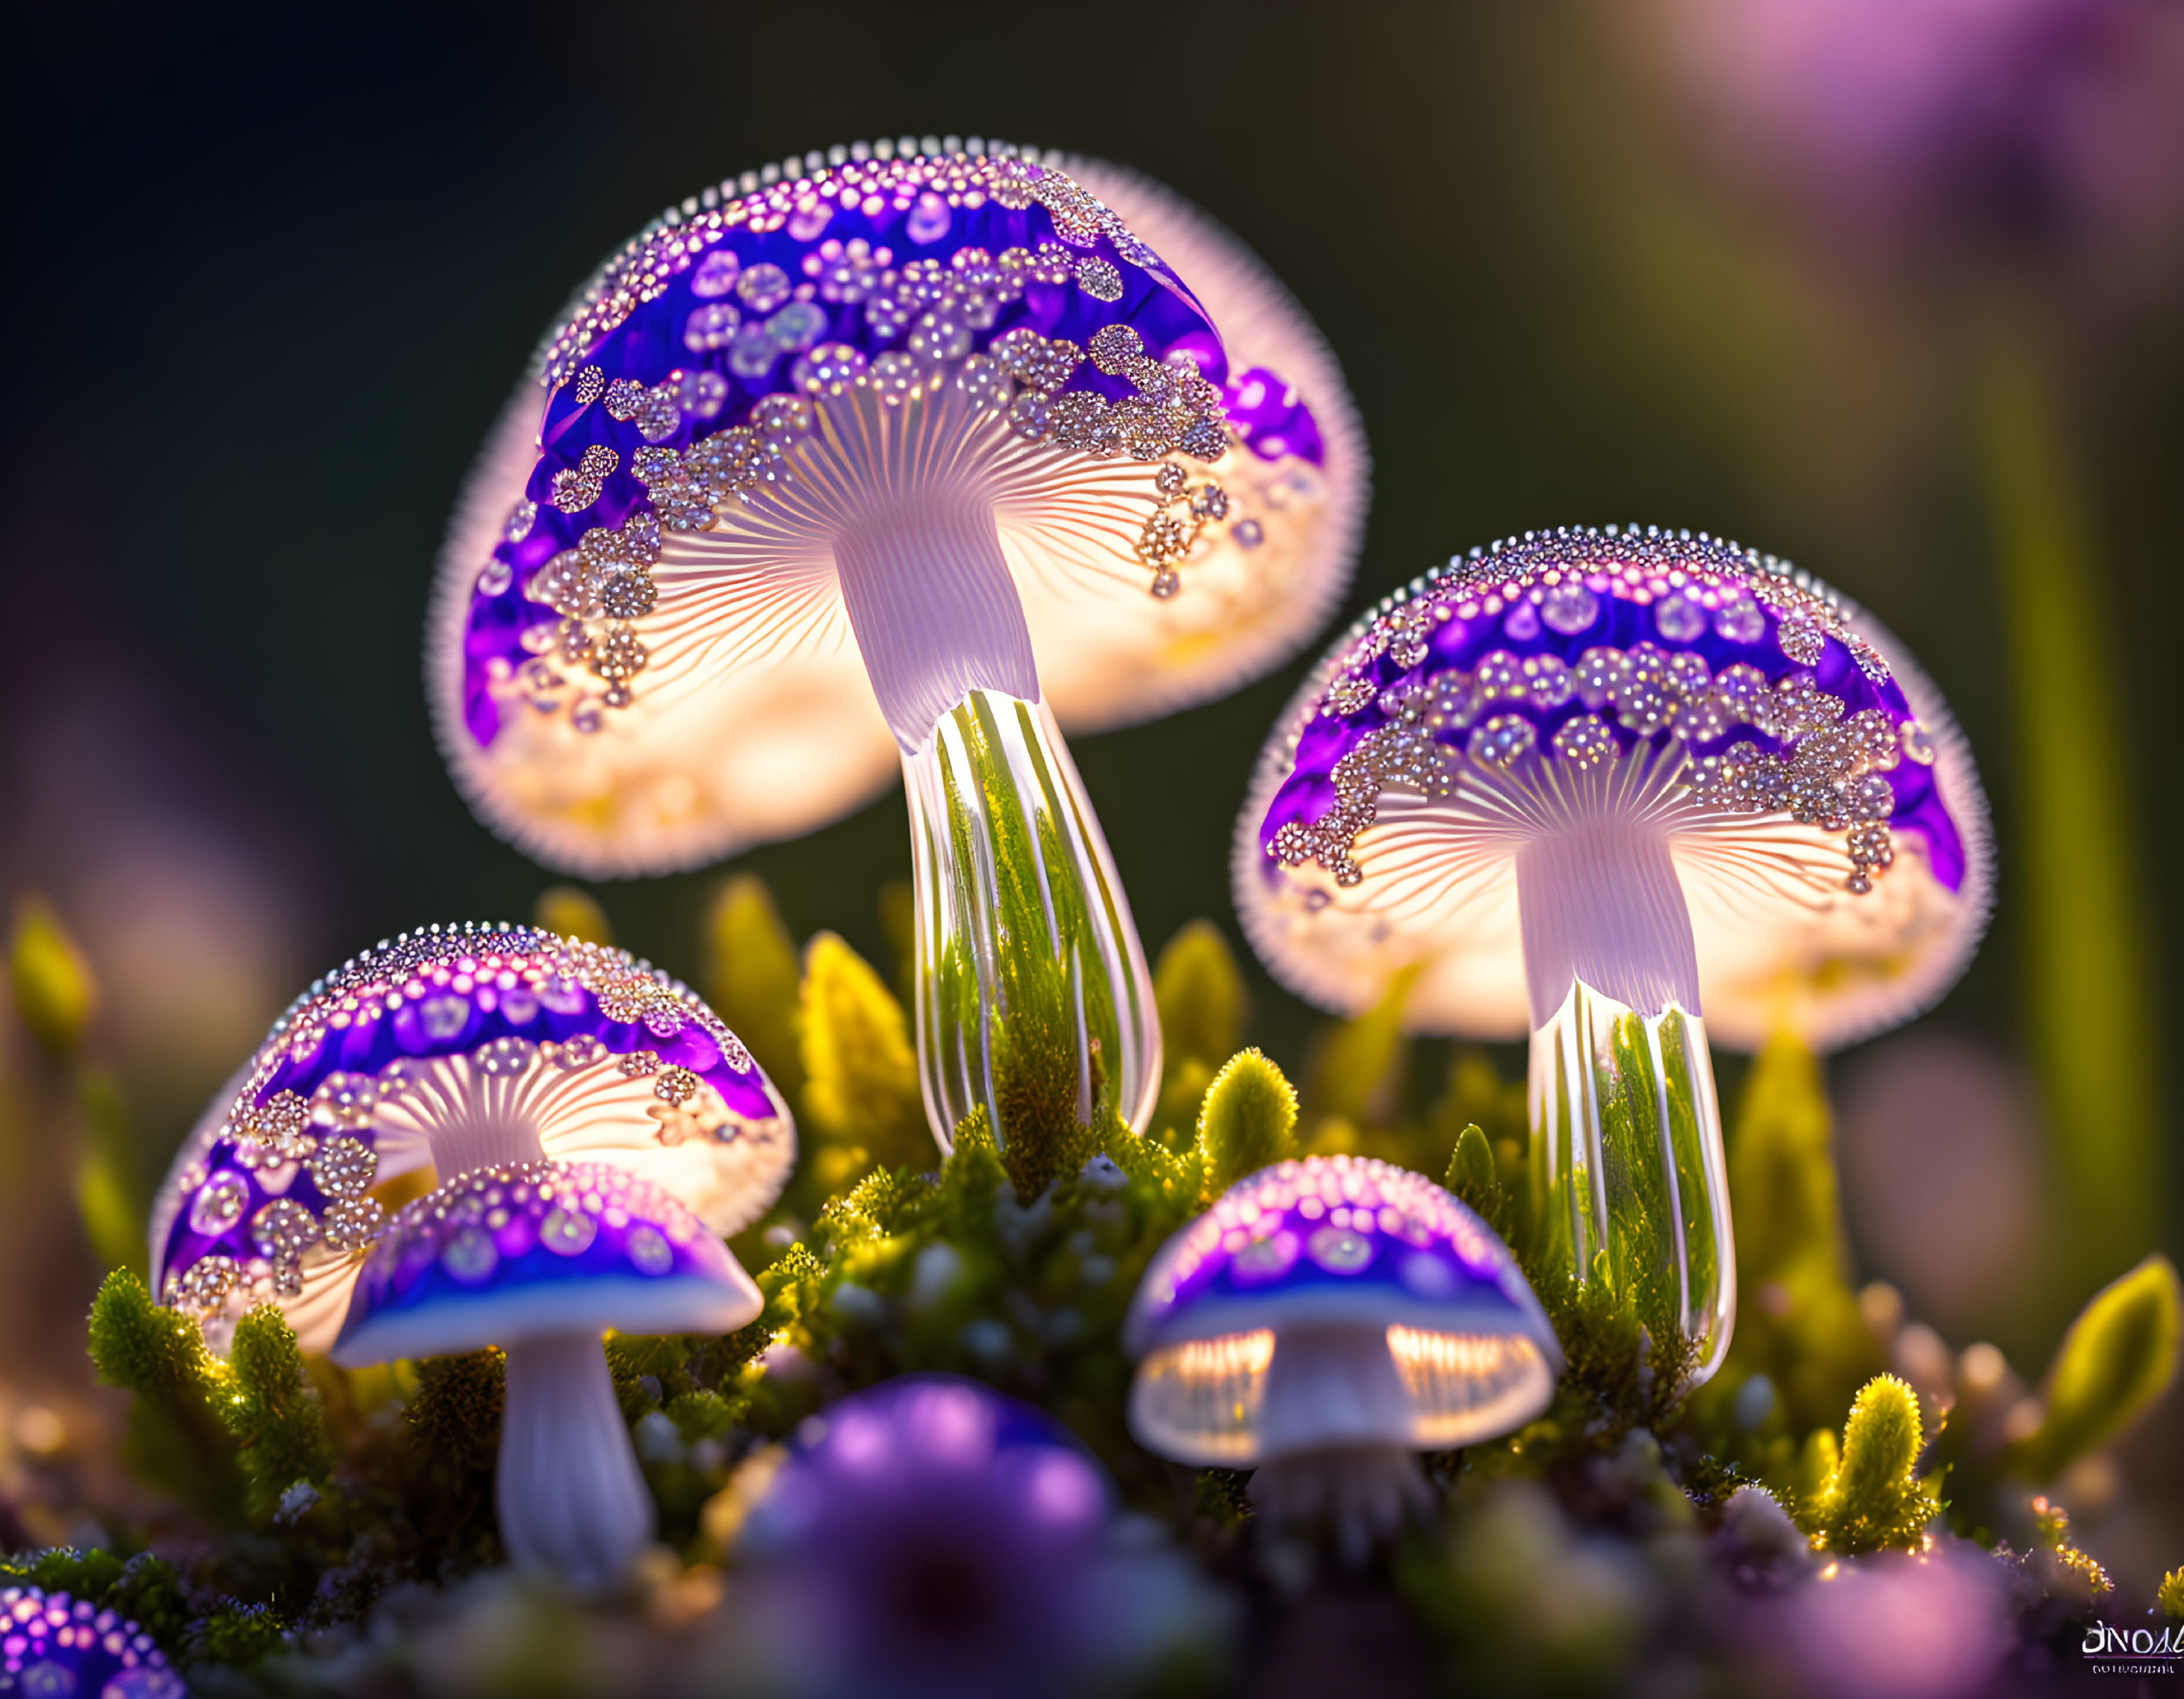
x=543, y=1247
x=640, y=659
x=53, y=1646
x=1829, y=833
x=1355, y=1268
x=432, y=1050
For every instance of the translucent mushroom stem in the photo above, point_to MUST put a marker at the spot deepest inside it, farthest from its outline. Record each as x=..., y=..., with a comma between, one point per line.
x=1629, y=1183
x=572, y=1502
x=1336, y=1433
x=1035, y=1004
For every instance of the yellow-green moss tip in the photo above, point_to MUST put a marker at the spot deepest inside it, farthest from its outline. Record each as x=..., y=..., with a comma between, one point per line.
x=861, y=1073
x=2118, y=1358
x=569, y=911
x=1200, y=995
x=751, y=976
x=273, y=1412
x=1874, y=1499
x=2171, y=1596
x=154, y=1352
x=54, y=991
x=1248, y=1121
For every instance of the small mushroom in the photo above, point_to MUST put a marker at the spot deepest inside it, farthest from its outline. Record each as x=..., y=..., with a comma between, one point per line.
x=1575, y=780
x=540, y=1258
x=909, y=452
x=445, y=1050
x=1326, y=1319
x=54, y=1644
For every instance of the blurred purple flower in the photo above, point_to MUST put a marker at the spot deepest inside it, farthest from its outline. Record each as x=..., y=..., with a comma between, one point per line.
x=1900, y=1625
x=930, y=1536
x=2035, y=126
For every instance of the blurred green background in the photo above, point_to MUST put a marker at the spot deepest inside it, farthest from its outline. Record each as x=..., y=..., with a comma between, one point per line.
x=274, y=270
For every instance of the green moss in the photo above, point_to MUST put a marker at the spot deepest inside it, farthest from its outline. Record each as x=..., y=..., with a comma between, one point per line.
x=273, y=1410
x=455, y=1417
x=1248, y=1120
x=2171, y=1596
x=1873, y=1498
x=2117, y=1358
x=859, y=1064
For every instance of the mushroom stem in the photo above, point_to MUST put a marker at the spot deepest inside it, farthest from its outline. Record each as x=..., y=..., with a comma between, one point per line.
x=1035, y=1004
x=1335, y=1429
x=572, y=1502
x=1627, y=1126
x=933, y=606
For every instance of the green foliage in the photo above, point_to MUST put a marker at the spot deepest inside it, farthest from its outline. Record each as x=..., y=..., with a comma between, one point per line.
x=273, y=1410
x=1222, y=1495
x=2080, y=898
x=54, y=991
x=2171, y=1596
x=751, y=978
x=1476, y=1179
x=1248, y=1123
x=1357, y=1071
x=177, y=1438
x=1873, y=1498
x=860, y=1069
x=108, y=1195
x=570, y=912
x=238, y=1635
x=2117, y=1358
x=454, y=1418
x=1202, y=1003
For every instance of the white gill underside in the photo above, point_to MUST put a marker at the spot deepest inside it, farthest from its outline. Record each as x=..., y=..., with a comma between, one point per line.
x=1761, y=896
x=900, y=529
x=453, y=1116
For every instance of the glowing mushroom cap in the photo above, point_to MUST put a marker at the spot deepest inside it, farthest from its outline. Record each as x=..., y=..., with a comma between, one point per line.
x=1322, y=1247
x=51, y=1643
x=640, y=655
x=1824, y=816
x=443, y=1050
x=508, y=1253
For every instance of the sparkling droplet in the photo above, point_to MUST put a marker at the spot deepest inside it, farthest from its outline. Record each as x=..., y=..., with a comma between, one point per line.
x=763, y=287
x=712, y=326
x=567, y=1233
x=1569, y=609
x=715, y=273
x=1679, y=619
x=1339, y=1250
x=928, y=220
x=219, y=1206
x=649, y=1250
x=470, y=1255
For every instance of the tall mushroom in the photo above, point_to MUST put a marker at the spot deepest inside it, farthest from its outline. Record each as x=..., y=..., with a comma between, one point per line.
x=912, y=447
x=1575, y=781
x=452, y=1050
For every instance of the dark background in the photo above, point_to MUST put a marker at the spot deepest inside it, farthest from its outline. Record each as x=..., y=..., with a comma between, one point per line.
x=273, y=270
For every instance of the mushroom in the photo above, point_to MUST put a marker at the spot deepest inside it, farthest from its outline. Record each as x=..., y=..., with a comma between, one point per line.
x=909, y=451
x=1577, y=780
x=540, y=1258
x=1327, y=1318
x=445, y=1050
x=52, y=1644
